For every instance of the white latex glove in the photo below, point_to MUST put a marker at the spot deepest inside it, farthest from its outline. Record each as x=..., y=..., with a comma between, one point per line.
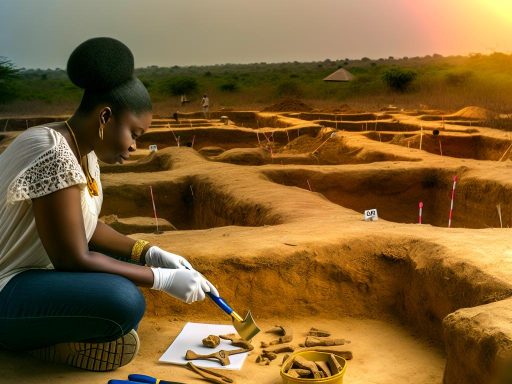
x=157, y=257
x=184, y=284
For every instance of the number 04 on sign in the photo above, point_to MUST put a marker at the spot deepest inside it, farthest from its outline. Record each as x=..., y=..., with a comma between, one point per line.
x=371, y=215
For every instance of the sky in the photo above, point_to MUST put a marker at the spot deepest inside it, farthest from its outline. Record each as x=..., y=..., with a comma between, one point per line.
x=43, y=33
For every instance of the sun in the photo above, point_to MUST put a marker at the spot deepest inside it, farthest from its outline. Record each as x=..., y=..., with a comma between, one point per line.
x=501, y=8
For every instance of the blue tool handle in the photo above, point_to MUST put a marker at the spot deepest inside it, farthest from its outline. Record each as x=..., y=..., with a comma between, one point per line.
x=114, y=381
x=142, y=378
x=221, y=303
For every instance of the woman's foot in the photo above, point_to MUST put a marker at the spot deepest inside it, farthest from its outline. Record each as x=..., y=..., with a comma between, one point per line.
x=98, y=357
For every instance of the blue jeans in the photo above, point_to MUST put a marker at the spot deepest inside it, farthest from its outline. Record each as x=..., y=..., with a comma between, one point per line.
x=44, y=307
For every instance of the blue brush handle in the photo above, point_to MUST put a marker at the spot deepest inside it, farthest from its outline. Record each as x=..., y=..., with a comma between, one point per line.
x=142, y=378
x=114, y=381
x=138, y=379
x=221, y=303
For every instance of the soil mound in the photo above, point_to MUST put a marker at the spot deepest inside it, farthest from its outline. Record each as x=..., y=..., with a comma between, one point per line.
x=474, y=113
x=244, y=156
x=288, y=105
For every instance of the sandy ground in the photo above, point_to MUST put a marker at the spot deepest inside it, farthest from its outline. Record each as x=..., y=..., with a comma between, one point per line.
x=270, y=208
x=384, y=353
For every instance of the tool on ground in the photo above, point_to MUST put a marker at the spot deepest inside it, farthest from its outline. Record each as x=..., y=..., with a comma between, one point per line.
x=139, y=379
x=222, y=356
x=246, y=327
x=451, y=203
x=209, y=375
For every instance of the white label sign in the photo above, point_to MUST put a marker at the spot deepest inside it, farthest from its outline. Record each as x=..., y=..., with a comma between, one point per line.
x=153, y=148
x=371, y=215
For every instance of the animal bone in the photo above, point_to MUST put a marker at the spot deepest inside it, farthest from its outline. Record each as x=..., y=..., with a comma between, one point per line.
x=293, y=373
x=282, y=340
x=301, y=362
x=261, y=360
x=211, y=341
x=269, y=355
x=297, y=372
x=281, y=349
x=229, y=336
x=334, y=365
x=222, y=356
x=312, y=341
x=347, y=355
x=285, y=357
x=318, y=332
x=208, y=373
x=263, y=344
x=242, y=344
x=279, y=330
x=324, y=367
x=237, y=342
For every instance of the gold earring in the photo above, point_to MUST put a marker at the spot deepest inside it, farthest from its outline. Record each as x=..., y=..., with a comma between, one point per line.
x=101, y=132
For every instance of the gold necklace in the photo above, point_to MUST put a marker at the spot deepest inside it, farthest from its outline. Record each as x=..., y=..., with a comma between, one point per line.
x=92, y=186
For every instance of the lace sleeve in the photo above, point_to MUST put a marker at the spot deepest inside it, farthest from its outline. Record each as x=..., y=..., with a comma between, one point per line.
x=55, y=169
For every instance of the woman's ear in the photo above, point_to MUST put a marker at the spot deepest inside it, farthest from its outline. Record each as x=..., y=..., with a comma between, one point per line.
x=105, y=115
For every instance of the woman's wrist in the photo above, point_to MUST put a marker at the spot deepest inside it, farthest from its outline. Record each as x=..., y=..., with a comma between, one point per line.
x=138, y=251
x=143, y=254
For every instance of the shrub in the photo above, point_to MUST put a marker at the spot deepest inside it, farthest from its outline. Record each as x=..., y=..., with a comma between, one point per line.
x=228, y=87
x=399, y=79
x=289, y=89
x=7, y=73
x=458, y=78
x=181, y=85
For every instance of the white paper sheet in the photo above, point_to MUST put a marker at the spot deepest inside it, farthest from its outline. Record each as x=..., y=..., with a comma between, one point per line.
x=191, y=337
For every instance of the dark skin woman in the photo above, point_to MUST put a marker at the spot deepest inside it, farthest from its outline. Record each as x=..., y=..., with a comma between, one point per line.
x=69, y=282
x=56, y=212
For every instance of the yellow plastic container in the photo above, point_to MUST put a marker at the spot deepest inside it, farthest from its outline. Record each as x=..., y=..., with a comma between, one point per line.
x=313, y=356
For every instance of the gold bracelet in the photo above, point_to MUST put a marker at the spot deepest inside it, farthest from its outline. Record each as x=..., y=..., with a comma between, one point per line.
x=137, y=250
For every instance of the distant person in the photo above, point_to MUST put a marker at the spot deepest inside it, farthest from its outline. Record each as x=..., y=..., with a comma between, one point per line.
x=205, y=103
x=176, y=117
x=68, y=281
x=184, y=100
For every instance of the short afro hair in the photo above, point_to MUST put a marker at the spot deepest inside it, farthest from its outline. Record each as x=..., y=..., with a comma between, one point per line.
x=104, y=68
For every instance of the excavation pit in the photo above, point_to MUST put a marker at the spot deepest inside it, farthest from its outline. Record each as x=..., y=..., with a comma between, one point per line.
x=186, y=204
x=339, y=116
x=225, y=137
x=243, y=119
x=396, y=194
x=476, y=147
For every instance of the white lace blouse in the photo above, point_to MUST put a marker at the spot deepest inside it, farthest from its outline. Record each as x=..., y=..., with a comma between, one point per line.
x=38, y=162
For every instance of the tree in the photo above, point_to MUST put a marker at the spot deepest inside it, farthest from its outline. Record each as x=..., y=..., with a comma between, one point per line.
x=7, y=73
x=399, y=79
x=181, y=85
x=228, y=87
x=289, y=89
